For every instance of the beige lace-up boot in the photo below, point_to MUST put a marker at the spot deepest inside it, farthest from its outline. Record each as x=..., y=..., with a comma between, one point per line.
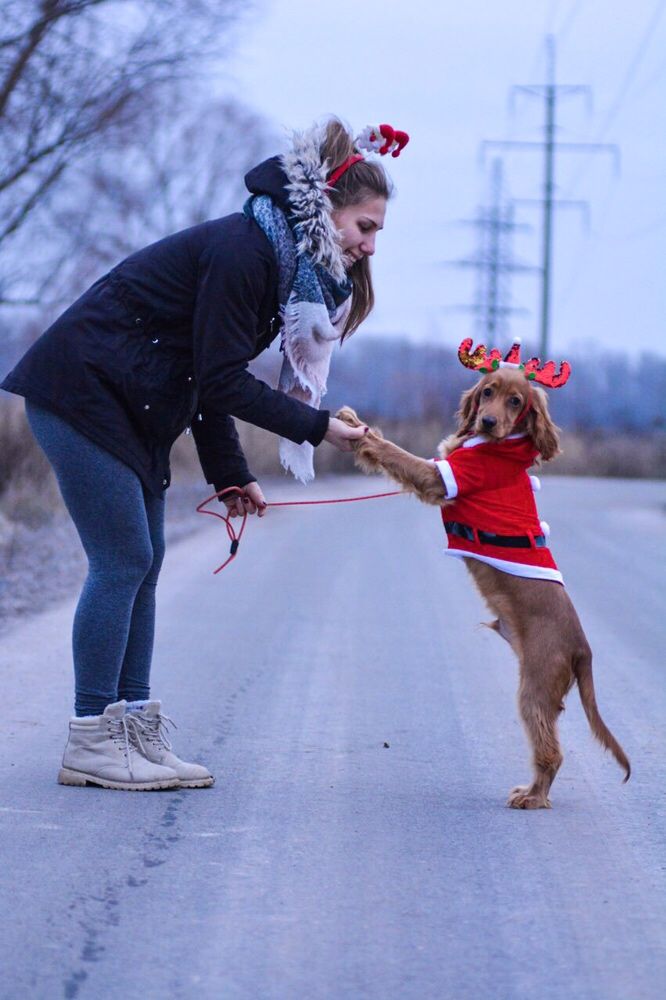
x=100, y=751
x=149, y=730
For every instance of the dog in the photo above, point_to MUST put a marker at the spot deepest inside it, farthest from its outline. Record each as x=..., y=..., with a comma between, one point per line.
x=534, y=614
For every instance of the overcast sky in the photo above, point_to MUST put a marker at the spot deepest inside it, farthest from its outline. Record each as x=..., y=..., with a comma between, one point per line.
x=443, y=72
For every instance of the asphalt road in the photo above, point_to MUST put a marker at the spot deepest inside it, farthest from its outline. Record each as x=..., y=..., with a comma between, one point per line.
x=364, y=736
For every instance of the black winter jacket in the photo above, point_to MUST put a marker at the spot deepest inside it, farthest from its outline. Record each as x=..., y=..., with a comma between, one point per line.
x=163, y=341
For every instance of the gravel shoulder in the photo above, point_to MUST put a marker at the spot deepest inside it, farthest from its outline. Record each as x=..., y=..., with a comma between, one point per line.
x=41, y=566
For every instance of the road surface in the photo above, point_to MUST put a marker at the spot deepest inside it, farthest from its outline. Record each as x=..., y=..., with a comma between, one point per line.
x=364, y=735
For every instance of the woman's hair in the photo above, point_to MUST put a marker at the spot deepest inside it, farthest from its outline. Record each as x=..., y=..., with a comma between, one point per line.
x=360, y=182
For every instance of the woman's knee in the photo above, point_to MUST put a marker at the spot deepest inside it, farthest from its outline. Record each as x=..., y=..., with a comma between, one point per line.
x=125, y=565
x=141, y=563
x=156, y=563
x=155, y=510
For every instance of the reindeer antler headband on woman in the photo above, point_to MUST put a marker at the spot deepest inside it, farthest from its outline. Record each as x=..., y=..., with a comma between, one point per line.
x=487, y=361
x=381, y=139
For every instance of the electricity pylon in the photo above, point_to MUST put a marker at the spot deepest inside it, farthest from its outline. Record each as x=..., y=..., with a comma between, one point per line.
x=493, y=261
x=549, y=93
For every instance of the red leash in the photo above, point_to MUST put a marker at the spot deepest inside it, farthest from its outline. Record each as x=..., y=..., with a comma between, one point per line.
x=236, y=537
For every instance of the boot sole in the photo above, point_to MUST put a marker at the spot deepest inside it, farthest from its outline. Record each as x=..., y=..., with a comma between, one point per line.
x=80, y=780
x=198, y=783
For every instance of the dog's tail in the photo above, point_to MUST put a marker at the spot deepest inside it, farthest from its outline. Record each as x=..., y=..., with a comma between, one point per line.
x=582, y=668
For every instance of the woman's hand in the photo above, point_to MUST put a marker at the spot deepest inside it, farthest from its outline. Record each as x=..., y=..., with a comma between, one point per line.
x=342, y=436
x=251, y=500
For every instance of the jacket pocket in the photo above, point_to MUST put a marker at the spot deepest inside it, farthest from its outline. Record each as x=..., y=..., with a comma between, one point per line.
x=160, y=413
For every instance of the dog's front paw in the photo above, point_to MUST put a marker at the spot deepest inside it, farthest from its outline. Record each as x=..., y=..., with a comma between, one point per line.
x=349, y=416
x=365, y=448
x=363, y=445
x=523, y=797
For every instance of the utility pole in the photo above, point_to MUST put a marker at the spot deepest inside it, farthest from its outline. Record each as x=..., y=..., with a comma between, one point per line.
x=549, y=92
x=548, y=191
x=493, y=260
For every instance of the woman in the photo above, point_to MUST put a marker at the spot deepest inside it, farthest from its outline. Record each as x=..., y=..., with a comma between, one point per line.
x=162, y=343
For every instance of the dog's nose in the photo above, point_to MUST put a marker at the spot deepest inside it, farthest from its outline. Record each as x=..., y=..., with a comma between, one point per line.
x=488, y=422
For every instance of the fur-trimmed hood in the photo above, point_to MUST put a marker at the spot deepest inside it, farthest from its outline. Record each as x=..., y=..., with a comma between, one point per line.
x=296, y=181
x=269, y=178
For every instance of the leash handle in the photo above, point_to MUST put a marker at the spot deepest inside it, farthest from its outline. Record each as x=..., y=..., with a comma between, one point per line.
x=236, y=537
x=231, y=530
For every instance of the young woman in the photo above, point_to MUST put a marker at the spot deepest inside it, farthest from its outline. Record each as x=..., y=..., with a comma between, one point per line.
x=162, y=343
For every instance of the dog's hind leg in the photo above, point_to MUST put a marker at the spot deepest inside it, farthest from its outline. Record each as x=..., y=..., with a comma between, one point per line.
x=540, y=704
x=502, y=627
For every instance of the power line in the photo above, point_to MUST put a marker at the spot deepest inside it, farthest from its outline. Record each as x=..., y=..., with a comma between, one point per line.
x=575, y=270
x=633, y=66
x=549, y=146
x=565, y=27
x=552, y=15
x=624, y=87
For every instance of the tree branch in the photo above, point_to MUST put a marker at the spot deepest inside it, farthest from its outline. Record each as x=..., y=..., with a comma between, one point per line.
x=21, y=215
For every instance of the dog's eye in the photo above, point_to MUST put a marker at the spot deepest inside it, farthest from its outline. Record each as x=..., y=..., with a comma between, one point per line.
x=515, y=400
x=487, y=392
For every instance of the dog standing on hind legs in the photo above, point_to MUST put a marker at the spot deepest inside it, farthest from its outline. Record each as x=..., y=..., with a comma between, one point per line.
x=484, y=491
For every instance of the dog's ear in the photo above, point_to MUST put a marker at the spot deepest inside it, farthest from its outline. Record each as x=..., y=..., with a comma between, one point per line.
x=540, y=426
x=466, y=415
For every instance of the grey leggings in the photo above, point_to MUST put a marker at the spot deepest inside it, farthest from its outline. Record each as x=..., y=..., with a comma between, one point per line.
x=121, y=528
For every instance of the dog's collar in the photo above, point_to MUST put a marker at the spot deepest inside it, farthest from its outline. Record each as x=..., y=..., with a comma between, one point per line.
x=525, y=410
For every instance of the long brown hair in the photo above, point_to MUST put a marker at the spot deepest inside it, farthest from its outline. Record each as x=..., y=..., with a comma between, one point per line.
x=360, y=182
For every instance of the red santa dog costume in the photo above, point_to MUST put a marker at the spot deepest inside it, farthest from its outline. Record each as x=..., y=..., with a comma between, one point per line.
x=493, y=516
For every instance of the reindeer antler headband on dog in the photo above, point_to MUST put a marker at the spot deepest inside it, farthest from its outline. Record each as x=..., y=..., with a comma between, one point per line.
x=482, y=361
x=381, y=139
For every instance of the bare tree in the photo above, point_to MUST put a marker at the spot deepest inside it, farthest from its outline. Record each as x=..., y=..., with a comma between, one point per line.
x=192, y=170
x=79, y=74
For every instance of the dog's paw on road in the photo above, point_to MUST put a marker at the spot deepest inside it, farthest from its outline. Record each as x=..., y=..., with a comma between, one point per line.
x=522, y=797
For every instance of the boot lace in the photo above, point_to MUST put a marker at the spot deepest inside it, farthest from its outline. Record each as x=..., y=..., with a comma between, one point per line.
x=151, y=730
x=120, y=732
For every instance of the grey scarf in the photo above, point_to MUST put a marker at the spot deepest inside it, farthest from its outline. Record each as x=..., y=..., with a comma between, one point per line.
x=313, y=290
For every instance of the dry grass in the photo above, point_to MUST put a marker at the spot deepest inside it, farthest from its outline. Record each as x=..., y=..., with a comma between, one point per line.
x=626, y=456
x=28, y=490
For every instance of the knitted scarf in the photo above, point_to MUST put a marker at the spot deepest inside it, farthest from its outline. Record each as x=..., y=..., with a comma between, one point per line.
x=313, y=290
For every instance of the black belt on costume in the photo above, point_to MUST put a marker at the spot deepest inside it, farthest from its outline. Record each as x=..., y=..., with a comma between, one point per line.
x=488, y=538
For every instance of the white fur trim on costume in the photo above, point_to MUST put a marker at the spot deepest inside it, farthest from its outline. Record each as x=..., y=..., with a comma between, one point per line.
x=545, y=528
x=446, y=472
x=484, y=439
x=309, y=199
x=473, y=441
x=535, y=483
x=514, y=569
